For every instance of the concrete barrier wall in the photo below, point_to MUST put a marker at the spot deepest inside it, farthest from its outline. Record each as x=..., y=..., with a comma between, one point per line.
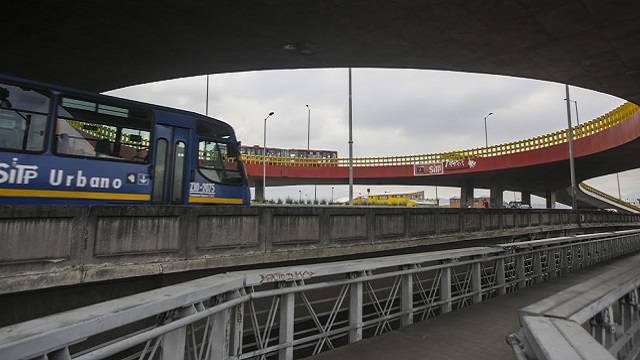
x=45, y=246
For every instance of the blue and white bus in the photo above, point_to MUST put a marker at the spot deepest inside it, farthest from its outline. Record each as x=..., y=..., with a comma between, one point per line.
x=62, y=146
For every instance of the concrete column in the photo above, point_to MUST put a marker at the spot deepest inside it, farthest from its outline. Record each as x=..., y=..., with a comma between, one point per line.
x=496, y=200
x=445, y=290
x=551, y=200
x=259, y=191
x=466, y=196
x=287, y=316
x=406, y=298
x=355, y=312
x=526, y=197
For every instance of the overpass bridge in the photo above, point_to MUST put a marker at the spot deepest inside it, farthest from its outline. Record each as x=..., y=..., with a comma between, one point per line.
x=539, y=165
x=578, y=297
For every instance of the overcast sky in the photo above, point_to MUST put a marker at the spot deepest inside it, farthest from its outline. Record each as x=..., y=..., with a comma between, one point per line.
x=395, y=112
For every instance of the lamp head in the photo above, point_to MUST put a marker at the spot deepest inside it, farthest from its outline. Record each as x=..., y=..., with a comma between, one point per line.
x=271, y=113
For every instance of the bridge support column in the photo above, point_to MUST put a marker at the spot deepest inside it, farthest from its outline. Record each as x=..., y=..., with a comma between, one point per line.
x=287, y=317
x=174, y=342
x=496, y=200
x=551, y=199
x=258, y=191
x=355, y=311
x=526, y=197
x=445, y=290
x=406, y=299
x=466, y=196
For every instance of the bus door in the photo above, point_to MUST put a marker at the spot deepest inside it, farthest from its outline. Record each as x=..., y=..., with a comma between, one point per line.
x=170, y=167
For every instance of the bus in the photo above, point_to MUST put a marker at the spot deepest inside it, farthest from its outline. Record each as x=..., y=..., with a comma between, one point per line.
x=289, y=157
x=64, y=146
x=289, y=153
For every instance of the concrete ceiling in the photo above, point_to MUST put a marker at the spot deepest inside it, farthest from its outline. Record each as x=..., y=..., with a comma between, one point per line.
x=102, y=45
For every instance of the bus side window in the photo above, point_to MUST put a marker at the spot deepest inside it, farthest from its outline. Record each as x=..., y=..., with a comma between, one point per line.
x=94, y=130
x=23, y=118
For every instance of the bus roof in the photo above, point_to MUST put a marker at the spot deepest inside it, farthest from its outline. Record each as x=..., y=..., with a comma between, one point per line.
x=65, y=89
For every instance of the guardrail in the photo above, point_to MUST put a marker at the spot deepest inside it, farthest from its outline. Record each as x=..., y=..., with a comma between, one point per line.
x=598, y=319
x=51, y=246
x=606, y=121
x=590, y=189
x=299, y=311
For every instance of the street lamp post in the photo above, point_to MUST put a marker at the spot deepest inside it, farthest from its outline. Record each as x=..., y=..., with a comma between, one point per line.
x=619, y=193
x=315, y=187
x=350, y=143
x=264, y=158
x=206, y=101
x=575, y=102
x=332, y=195
x=300, y=196
x=572, y=168
x=486, y=138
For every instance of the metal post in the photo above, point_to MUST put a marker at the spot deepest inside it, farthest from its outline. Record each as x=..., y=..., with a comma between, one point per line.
x=406, y=299
x=476, y=282
x=574, y=204
x=287, y=316
x=206, y=104
x=221, y=339
x=445, y=290
x=264, y=159
x=355, y=312
x=537, y=267
x=577, y=117
x=486, y=139
x=332, y=194
x=315, y=186
x=500, y=277
x=350, y=143
x=308, y=126
x=173, y=343
x=619, y=193
x=521, y=275
x=437, y=199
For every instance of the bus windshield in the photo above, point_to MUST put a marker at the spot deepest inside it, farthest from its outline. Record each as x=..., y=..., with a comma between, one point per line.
x=218, y=161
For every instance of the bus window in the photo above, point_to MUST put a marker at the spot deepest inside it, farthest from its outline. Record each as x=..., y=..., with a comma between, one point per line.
x=23, y=118
x=218, y=162
x=159, y=169
x=94, y=130
x=178, y=172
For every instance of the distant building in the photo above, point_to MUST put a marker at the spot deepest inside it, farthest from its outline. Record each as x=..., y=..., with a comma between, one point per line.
x=478, y=203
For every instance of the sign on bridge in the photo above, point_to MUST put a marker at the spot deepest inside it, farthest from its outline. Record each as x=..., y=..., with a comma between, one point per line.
x=439, y=168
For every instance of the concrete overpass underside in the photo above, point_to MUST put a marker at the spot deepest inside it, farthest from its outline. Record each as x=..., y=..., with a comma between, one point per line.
x=99, y=45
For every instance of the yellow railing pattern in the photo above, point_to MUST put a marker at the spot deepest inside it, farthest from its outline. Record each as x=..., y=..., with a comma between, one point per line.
x=103, y=132
x=585, y=187
x=606, y=121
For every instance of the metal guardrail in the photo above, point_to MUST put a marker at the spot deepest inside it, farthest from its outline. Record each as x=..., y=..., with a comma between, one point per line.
x=606, y=121
x=299, y=311
x=598, y=319
x=590, y=189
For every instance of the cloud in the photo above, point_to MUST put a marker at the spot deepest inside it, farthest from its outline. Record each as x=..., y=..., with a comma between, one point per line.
x=395, y=112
